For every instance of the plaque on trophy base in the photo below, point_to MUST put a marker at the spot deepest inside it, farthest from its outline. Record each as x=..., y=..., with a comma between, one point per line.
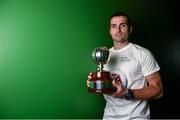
x=101, y=82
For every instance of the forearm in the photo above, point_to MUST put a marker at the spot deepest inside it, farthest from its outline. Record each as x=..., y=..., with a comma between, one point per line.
x=147, y=93
x=154, y=90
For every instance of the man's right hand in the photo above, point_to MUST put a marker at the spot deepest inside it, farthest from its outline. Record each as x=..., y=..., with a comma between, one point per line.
x=88, y=80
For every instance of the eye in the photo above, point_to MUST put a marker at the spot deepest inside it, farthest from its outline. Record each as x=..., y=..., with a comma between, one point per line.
x=113, y=25
x=123, y=25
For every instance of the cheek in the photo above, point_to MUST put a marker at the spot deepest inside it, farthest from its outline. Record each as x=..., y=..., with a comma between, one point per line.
x=126, y=31
x=112, y=32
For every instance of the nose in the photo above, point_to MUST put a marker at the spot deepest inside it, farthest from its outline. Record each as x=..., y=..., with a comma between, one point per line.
x=118, y=29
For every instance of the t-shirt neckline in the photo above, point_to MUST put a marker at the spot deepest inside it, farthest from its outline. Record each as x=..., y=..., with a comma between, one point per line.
x=122, y=49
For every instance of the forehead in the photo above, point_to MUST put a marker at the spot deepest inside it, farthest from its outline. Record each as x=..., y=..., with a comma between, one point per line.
x=119, y=19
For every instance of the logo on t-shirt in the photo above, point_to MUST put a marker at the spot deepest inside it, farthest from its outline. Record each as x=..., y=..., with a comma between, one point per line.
x=119, y=77
x=125, y=58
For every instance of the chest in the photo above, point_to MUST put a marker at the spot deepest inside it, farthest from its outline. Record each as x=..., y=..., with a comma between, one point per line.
x=125, y=62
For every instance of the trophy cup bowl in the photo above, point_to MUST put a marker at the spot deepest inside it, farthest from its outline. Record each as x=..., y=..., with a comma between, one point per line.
x=100, y=81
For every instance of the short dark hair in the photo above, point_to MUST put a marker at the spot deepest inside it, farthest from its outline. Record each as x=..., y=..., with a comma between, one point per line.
x=122, y=14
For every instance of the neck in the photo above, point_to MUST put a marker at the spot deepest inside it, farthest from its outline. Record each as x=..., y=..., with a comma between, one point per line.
x=120, y=45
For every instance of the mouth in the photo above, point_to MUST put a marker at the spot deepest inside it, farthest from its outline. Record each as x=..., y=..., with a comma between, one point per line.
x=119, y=34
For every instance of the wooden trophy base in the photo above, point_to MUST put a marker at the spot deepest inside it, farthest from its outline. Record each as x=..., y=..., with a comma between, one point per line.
x=101, y=82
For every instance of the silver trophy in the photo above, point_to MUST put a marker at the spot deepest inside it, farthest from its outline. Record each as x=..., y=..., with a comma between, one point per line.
x=101, y=81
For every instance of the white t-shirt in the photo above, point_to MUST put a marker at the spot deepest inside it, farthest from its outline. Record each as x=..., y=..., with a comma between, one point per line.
x=132, y=63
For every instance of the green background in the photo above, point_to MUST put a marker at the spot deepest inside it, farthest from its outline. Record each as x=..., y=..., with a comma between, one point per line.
x=46, y=46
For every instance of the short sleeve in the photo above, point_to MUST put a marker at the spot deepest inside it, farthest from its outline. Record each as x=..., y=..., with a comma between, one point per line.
x=148, y=63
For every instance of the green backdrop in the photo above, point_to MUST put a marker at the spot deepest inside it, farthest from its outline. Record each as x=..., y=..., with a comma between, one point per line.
x=45, y=54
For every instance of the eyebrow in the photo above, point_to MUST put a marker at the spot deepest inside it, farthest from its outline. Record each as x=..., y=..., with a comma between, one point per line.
x=120, y=24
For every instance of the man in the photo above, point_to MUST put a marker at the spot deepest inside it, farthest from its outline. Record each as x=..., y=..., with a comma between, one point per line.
x=139, y=68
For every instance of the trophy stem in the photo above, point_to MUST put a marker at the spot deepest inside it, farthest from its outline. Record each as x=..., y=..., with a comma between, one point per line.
x=101, y=67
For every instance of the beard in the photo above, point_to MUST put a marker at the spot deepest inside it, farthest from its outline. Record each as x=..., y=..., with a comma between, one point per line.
x=120, y=38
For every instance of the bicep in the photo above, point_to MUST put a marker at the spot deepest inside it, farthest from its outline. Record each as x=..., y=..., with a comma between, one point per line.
x=154, y=80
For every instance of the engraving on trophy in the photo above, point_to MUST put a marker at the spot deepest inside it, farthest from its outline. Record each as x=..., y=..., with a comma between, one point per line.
x=101, y=81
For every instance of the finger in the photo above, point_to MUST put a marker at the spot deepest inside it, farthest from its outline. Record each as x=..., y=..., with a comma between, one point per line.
x=116, y=85
x=115, y=94
x=89, y=77
x=113, y=82
x=88, y=83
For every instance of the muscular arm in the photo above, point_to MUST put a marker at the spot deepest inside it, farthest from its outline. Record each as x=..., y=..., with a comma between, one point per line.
x=153, y=91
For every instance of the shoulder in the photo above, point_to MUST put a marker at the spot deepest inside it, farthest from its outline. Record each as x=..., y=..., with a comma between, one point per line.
x=139, y=49
x=140, y=52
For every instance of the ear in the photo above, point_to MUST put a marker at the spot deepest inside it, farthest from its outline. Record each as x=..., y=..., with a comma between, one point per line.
x=130, y=30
